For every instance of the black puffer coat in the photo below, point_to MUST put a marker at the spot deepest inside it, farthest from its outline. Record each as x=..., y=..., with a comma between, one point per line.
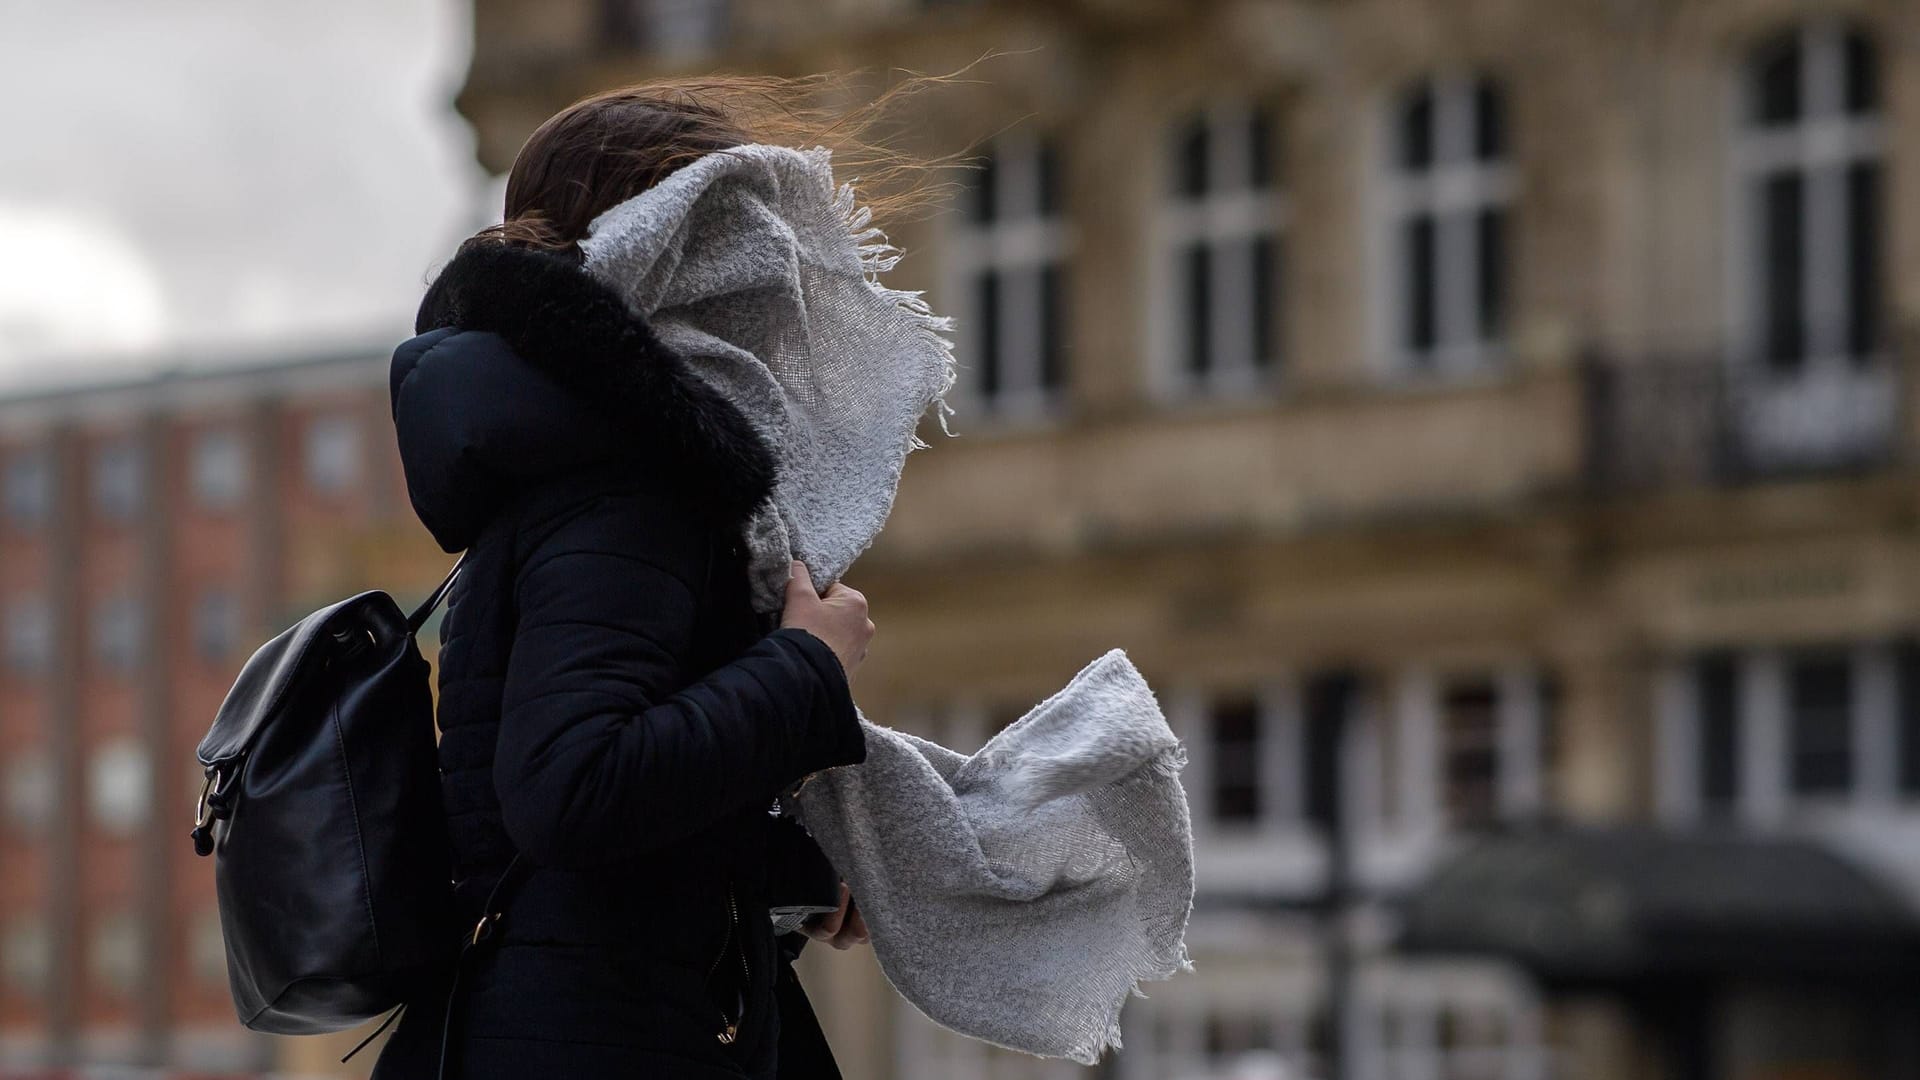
x=610, y=706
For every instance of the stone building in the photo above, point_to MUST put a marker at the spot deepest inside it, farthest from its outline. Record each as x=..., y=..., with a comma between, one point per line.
x=1489, y=425
x=1487, y=422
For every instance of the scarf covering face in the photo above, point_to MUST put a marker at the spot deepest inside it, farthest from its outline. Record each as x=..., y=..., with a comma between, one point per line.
x=759, y=271
x=1017, y=895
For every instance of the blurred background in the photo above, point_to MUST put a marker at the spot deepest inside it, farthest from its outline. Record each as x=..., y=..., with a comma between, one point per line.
x=1489, y=423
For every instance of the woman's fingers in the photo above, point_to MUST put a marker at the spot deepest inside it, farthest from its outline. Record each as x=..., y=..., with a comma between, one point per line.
x=853, y=931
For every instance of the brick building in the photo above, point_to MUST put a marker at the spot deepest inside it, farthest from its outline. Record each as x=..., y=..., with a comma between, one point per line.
x=154, y=533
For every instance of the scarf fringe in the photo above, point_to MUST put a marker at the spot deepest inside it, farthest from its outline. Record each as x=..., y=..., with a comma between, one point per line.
x=877, y=256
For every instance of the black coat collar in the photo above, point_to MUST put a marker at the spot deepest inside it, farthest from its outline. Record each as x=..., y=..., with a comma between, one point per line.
x=638, y=401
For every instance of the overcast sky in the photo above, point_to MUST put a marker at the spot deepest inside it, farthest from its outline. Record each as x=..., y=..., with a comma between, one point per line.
x=184, y=180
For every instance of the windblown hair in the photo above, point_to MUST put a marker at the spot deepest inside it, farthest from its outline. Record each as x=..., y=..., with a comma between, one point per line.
x=607, y=148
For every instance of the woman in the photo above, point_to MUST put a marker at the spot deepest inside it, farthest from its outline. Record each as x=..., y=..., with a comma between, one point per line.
x=614, y=714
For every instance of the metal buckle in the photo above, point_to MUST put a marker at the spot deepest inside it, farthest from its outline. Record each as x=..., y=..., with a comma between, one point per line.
x=203, y=809
x=483, y=929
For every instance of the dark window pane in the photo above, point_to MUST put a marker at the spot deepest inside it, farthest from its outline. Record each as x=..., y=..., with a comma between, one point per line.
x=1052, y=326
x=1416, y=130
x=1863, y=74
x=983, y=203
x=1717, y=683
x=1421, y=284
x=1907, y=660
x=986, y=307
x=1863, y=258
x=1048, y=166
x=1492, y=238
x=1234, y=731
x=1328, y=705
x=1266, y=301
x=1260, y=148
x=1470, y=754
x=1198, y=304
x=1776, y=82
x=1783, y=273
x=1489, y=121
x=1820, y=723
x=1193, y=158
x=1550, y=740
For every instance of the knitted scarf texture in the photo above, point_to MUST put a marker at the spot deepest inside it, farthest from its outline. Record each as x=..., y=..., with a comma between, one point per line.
x=1017, y=895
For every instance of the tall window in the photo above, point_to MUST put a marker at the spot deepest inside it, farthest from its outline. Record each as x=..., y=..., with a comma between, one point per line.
x=219, y=469
x=1820, y=724
x=1223, y=225
x=1719, y=736
x=117, y=631
x=1008, y=261
x=1470, y=751
x=1810, y=174
x=216, y=624
x=119, y=483
x=1760, y=733
x=29, y=488
x=333, y=454
x=677, y=28
x=1447, y=195
x=1234, y=736
x=29, y=635
x=120, y=785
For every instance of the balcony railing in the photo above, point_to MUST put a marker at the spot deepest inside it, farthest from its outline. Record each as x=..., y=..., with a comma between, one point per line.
x=1665, y=422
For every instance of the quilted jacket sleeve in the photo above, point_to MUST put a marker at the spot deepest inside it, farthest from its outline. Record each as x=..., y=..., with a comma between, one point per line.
x=602, y=753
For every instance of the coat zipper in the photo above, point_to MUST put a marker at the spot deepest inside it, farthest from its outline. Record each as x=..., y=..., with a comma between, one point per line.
x=729, y=1025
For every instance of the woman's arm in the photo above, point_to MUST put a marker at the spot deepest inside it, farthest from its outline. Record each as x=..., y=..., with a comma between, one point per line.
x=597, y=760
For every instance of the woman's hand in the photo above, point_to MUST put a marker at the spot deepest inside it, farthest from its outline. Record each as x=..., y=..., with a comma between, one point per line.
x=839, y=618
x=842, y=929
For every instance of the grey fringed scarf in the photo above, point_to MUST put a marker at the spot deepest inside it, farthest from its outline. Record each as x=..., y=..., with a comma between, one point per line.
x=1017, y=895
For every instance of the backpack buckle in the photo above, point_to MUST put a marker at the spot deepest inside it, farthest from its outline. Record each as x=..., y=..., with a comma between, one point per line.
x=483, y=929
x=206, y=810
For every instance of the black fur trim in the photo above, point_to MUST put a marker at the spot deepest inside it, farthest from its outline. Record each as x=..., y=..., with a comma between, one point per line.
x=583, y=336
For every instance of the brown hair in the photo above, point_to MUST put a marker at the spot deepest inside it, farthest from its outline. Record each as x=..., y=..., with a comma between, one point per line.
x=604, y=149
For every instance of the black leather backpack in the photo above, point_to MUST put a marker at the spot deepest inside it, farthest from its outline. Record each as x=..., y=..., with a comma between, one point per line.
x=322, y=812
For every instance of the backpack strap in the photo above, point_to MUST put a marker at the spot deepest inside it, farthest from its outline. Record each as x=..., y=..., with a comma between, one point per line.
x=492, y=913
x=432, y=603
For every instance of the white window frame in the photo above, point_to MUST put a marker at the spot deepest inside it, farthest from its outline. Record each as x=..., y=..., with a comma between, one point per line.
x=1219, y=217
x=120, y=779
x=1763, y=739
x=1019, y=240
x=1453, y=189
x=1817, y=147
x=1520, y=720
x=1166, y=1034
x=1281, y=773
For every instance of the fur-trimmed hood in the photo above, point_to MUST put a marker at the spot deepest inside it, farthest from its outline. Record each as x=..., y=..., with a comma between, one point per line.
x=525, y=367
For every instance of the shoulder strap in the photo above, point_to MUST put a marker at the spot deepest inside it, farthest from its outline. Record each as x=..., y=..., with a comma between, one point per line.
x=427, y=607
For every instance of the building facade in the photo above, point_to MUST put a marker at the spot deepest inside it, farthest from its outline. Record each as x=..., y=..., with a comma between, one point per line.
x=1488, y=423
x=155, y=532
x=1475, y=417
